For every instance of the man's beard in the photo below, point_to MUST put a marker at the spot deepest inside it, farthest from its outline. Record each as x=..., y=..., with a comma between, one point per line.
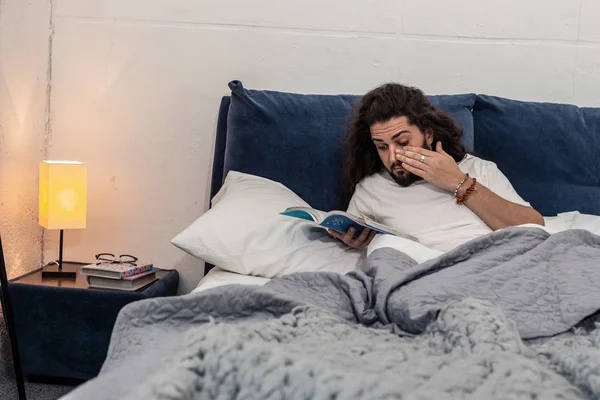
x=403, y=177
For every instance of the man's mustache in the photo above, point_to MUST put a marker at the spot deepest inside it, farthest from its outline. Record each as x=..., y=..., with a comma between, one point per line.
x=396, y=164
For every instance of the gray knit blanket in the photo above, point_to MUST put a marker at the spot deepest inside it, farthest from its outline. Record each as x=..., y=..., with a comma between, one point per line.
x=512, y=315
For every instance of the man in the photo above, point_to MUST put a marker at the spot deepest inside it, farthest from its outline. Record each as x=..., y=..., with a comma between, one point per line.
x=406, y=168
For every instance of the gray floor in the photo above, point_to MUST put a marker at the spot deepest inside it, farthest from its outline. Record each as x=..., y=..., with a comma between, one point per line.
x=8, y=385
x=35, y=391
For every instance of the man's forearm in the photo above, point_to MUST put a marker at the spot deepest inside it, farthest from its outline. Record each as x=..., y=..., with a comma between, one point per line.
x=497, y=212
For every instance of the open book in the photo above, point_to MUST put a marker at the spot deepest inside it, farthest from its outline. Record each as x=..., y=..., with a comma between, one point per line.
x=341, y=221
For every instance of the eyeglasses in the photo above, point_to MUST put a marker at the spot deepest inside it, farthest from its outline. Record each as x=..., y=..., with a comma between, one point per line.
x=111, y=258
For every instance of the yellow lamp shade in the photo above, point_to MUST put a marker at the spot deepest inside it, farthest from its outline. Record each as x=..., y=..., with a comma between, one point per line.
x=63, y=195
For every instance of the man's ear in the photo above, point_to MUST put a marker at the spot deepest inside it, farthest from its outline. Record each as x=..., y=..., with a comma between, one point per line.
x=429, y=137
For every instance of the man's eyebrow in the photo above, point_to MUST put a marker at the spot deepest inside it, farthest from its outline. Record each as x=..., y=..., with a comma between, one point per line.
x=393, y=137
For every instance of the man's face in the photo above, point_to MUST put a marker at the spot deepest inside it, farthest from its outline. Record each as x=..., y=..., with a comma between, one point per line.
x=396, y=134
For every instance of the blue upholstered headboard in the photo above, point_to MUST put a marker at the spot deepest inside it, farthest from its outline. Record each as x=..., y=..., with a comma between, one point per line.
x=299, y=139
x=217, y=177
x=219, y=154
x=549, y=152
x=296, y=139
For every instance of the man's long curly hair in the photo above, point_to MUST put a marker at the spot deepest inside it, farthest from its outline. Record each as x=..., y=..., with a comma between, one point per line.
x=380, y=105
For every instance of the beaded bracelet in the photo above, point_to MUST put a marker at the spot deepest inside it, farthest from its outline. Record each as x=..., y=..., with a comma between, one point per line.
x=459, y=185
x=463, y=199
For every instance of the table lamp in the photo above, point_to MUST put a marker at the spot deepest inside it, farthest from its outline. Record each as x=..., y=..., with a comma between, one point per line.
x=62, y=205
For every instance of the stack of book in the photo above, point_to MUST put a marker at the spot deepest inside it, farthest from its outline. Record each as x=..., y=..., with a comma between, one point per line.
x=118, y=276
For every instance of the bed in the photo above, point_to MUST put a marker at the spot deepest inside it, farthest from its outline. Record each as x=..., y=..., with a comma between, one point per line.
x=286, y=312
x=218, y=277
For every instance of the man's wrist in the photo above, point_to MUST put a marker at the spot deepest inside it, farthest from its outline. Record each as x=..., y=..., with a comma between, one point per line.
x=458, y=184
x=463, y=188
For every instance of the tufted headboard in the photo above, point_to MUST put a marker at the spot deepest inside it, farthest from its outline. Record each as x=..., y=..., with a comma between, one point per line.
x=218, y=177
x=298, y=139
x=549, y=152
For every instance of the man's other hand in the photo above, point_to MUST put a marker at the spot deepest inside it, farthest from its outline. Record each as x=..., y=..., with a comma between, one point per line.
x=359, y=242
x=436, y=167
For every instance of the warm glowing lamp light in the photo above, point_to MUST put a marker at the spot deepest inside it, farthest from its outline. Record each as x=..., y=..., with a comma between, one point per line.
x=63, y=203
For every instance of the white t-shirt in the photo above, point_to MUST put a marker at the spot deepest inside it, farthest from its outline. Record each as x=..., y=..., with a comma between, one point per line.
x=426, y=211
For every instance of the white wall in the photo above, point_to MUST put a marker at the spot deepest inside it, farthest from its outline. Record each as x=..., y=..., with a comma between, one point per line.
x=136, y=85
x=24, y=31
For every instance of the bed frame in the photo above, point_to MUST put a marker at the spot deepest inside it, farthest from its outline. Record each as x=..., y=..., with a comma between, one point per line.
x=219, y=155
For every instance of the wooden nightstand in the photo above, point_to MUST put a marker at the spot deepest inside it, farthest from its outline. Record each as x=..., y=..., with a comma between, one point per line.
x=35, y=278
x=64, y=327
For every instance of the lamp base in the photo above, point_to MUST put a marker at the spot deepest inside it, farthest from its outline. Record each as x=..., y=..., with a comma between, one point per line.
x=52, y=271
x=56, y=271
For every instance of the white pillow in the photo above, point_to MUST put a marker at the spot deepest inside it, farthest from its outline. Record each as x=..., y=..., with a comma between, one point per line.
x=244, y=233
x=587, y=221
x=560, y=222
x=573, y=220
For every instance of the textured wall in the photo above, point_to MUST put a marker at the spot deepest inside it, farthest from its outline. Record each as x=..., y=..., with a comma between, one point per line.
x=23, y=75
x=136, y=85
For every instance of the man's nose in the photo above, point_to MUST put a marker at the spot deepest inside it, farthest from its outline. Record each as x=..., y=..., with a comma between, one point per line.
x=392, y=155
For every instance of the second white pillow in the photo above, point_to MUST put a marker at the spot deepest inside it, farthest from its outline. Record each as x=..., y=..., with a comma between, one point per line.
x=244, y=233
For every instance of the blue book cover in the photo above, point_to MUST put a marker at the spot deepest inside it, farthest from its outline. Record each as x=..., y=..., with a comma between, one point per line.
x=340, y=221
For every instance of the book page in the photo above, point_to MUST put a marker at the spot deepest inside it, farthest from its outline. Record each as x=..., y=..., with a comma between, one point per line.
x=372, y=224
x=319, y=216
x=382, y=227
x=306, y=213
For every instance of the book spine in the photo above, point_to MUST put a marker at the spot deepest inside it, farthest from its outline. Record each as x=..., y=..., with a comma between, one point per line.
x=135, y=271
